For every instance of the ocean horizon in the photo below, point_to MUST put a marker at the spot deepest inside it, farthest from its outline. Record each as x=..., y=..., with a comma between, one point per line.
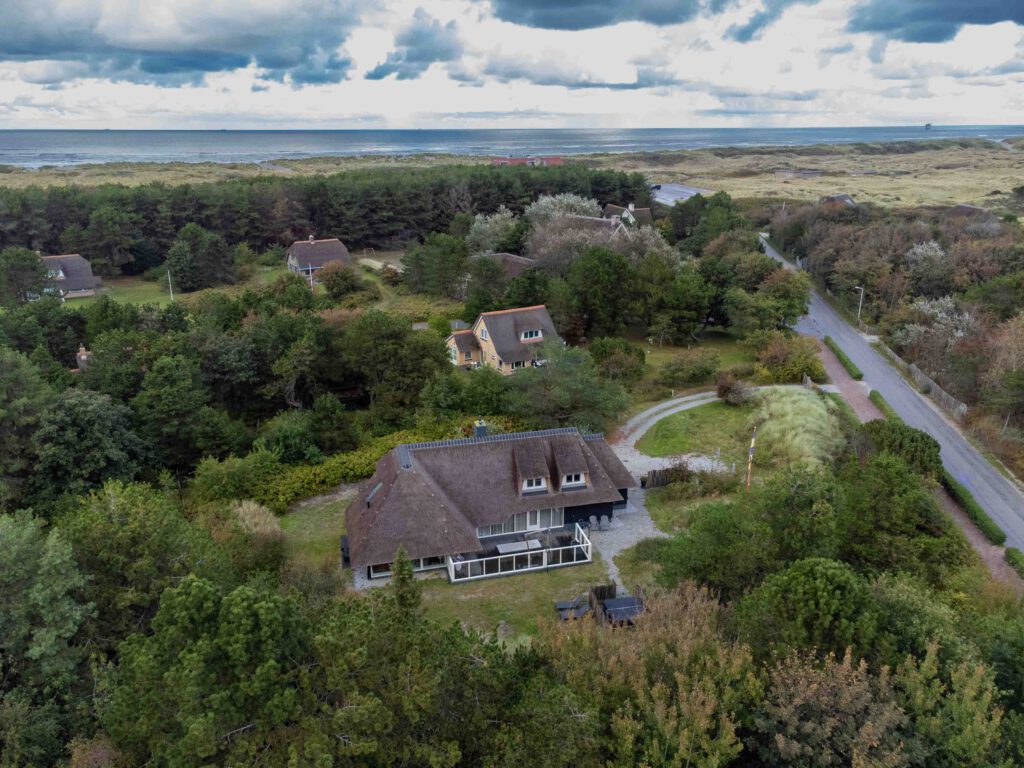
x=67, y=147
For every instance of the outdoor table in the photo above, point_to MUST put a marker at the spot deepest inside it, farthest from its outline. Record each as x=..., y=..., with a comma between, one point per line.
x=511, y=547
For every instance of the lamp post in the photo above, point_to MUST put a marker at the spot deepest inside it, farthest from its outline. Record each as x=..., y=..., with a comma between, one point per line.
x=860, y=304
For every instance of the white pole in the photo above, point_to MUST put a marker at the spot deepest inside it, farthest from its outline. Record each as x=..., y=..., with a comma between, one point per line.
x=860, y=304
x=169, y=286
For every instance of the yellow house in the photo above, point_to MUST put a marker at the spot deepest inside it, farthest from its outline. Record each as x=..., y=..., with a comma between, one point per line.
x=507, y=340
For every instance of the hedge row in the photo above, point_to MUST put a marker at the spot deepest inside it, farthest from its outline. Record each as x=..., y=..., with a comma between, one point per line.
x=848, y=364
x=973, y=509
x=1016, y=559
x=883, y=405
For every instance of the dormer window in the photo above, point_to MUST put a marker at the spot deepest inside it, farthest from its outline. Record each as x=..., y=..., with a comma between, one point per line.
x=573, y=479
x=528, y=335
x=534, y=484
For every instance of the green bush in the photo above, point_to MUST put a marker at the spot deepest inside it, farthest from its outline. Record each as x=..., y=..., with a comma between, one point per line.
x=882, y=404
x=917, y=448
x=1016, y=559
x=618, y=359
x=689, y=367
x=848, y=364
x=786, y=359
x=973, y=509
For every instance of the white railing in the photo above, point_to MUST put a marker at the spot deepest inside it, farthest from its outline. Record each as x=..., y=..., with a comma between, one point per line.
x=580, y=551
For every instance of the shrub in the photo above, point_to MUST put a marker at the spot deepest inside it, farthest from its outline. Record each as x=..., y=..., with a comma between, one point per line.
x=974, y=510
x=249, y=533
x=618, y=359
x=785, y=359
x=882, y=404
x=919, y=449
x=690, y=367
x=846, y=362
x=290, y=435
x=1016, y=560
x=796, y=426
x=733, y=390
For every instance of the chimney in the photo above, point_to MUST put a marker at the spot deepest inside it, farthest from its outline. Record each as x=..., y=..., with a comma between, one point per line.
x=480, y=428
x=312, y=239
x=632, y=207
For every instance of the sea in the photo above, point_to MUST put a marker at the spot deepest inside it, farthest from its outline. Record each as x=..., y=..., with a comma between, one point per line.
x=39, y=148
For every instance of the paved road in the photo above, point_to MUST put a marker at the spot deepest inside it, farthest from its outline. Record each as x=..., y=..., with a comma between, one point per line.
x=669, y=193
x=999, y=497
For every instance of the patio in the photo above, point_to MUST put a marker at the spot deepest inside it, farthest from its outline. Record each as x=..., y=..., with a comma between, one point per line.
x=519, y=552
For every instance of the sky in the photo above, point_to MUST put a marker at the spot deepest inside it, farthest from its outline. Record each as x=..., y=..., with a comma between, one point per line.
x=509, y=63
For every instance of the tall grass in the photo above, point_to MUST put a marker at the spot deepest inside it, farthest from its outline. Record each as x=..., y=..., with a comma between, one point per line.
x=796, y=426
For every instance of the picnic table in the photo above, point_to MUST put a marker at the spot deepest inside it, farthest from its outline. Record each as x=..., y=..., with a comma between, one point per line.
x=511, y=547
x=623, y=608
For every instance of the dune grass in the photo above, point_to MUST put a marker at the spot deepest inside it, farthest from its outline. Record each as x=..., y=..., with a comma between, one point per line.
x=796, y=426
x=313, y=529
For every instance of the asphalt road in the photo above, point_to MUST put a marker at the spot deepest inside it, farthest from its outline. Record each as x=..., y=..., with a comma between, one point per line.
x=669, y=193
x=997, y=495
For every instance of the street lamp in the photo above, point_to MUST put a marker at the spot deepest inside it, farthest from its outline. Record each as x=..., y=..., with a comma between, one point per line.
x=860, y=304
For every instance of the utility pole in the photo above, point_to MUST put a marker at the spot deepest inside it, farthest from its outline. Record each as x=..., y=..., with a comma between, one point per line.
x=169, y=286
x=860, y=304
x=750, y=459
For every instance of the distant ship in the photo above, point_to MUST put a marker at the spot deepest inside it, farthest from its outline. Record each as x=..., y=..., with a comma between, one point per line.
x=927, y=126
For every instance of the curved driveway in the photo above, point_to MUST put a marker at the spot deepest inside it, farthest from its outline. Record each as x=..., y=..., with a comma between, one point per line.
x=998, y=495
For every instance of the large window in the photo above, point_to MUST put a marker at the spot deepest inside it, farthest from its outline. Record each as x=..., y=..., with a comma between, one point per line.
x=418, y=564
x=538, y=519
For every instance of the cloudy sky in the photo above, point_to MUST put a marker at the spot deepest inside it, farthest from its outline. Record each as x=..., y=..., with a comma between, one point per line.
x=509, y=63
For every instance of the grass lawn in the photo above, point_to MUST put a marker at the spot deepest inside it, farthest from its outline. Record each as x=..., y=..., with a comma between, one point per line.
x=524, y=600
x=135, y=290
x=638, y=565
x=312, y=529
x=701, y=430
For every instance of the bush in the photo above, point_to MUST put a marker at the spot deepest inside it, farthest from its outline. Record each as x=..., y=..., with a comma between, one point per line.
x=340, y=280
x=249, y=533
x=618, y=359
x=973, y=509
x=882, y=404
x=1016, y=560
x=688, y=368
x=785, y=359
x=919, y=449
x=847, y=363
x=733, y=390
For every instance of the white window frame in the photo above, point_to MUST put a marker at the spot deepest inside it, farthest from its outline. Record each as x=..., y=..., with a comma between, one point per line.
x=517, y=365
x=453, y=355
x=533, y=334
x=535, y=484
x=469, y=356
x=483, y=333
x=573, y=480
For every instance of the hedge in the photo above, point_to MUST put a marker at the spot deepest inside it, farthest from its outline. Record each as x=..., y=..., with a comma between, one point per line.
x=848, y=364
x=1016, y=559
x=973, y=509
x=883, y=405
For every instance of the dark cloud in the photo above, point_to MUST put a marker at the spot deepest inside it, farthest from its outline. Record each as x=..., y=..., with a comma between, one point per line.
x=422, y=43
x=589, y=14
x=551, y=72
x=293, y=41
x=770, y=12
x=931, y=21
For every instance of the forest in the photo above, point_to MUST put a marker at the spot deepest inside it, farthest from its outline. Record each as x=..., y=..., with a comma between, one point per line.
x=150, y=613
x=943, y=286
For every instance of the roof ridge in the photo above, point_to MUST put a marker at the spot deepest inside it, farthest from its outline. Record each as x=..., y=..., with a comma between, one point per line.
x=517, y=309
x=405, y=448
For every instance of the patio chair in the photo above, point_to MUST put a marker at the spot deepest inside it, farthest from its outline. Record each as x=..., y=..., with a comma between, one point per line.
x=605, y=523
x=576, y=613
x=570, y=605
x=593, y=523
x=345, y=559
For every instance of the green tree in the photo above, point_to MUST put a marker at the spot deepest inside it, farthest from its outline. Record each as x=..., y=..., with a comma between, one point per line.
x=601, y=282
x=339, y=280
x=815, y=604
x=108, y=238
x=217, y=681
x=918, y=449
x=24, y=399
x=22, y=275
x=134, y=542
x=41, y=613
x=83, y=440
x=566, y=390
x=198, y=259
x=168, y=408
x=798, y=505
x=438, y=266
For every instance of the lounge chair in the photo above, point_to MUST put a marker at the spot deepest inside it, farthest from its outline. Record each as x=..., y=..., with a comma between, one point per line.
x=593, y=523
x=577, y=613
x=570, y=605
x=605, y=523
